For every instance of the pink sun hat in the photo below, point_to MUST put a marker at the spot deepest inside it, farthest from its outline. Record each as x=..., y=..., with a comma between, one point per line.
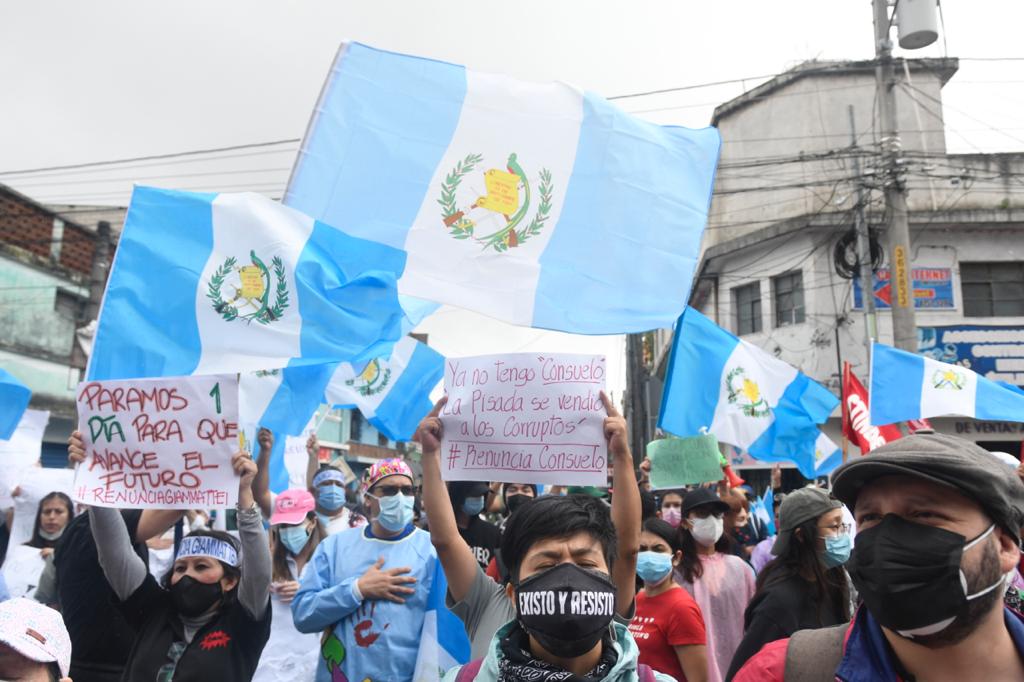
x=292, y=506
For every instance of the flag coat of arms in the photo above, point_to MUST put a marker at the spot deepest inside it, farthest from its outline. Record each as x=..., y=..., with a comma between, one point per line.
x=537, y=204
x=743, y=395
x=906, y=386
x=392, y=393
x=223, y=283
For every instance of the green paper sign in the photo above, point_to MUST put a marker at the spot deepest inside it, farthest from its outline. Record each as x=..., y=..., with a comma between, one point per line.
x=677, y=462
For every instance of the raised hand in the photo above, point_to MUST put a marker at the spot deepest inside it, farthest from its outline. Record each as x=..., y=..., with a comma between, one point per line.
x=430, y=430
x=76, y=448
x=615, y=431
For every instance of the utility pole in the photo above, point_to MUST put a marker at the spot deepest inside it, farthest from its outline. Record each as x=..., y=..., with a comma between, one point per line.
x=97, y=281
x=898, y=234
x=867, y=280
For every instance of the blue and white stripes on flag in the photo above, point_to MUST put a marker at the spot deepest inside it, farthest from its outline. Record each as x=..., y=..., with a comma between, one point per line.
x=14, y=398
x=443, y=642
x=392, y=393
x=768, y=502
x=827, y=456
x=221, y=283
x=537, y=204
x=909, y=386
x=741, y=394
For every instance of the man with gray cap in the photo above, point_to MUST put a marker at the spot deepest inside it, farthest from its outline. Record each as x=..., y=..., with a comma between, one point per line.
x=939, y=523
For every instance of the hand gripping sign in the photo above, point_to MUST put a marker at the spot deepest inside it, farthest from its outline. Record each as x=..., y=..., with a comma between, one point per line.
x=158, y=443
x=525, y=418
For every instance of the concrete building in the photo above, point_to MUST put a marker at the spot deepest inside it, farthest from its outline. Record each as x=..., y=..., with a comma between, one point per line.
x=782, y=215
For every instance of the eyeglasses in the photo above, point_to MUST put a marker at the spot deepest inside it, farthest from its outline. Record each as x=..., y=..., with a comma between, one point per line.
x=392, y=490
x=835, y=530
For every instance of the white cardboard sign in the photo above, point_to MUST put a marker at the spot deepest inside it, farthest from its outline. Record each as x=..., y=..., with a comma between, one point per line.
x=158, y=443
x=525, y=418
x=21, y=451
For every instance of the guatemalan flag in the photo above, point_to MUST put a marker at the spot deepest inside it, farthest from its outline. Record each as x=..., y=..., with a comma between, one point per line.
x=14, y=398
x=537, y=204
x=443, y=641
x=392, y=393
x=907, y=386
x=744, y=396
x=221, y=283
x=827, y=456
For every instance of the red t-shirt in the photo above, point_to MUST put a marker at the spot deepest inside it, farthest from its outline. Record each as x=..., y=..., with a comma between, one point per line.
x=669, y=620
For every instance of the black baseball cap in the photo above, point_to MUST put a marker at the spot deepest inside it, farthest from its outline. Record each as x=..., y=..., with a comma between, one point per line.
x=942, y=459
x=461, y=490
x=703, y=497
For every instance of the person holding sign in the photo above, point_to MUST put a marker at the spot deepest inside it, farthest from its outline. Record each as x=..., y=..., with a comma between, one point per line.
x=368, y=587
x=209, y=618
x=484, y=605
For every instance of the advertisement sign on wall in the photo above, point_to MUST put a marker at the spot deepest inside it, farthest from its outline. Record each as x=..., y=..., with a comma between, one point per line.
x=933, y=289
x=996, y=353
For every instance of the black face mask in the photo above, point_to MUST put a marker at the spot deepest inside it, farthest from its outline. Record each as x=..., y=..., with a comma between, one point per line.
x=192, y=598
x=513, y=502
x=566, y=608
x=909, y=575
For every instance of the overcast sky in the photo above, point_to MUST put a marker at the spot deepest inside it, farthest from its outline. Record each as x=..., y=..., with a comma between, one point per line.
x=92, y=81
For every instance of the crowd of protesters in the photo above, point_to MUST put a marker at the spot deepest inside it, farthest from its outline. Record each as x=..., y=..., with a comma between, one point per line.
x=905, y=568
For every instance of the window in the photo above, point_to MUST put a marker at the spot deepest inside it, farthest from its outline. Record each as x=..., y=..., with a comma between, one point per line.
x=68, y=304
x=992, y=289
x=747, y=299
x=356, y=431
x=788, y=293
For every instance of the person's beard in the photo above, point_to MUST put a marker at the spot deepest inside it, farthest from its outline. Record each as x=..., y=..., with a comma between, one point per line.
x=976, y=610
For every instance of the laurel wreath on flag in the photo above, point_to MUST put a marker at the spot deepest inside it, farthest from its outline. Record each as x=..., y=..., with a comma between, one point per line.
x=462, y=228
x=266, y=314
x=226, y=310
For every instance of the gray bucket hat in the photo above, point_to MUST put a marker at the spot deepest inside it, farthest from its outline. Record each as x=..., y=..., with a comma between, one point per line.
x=800, y=506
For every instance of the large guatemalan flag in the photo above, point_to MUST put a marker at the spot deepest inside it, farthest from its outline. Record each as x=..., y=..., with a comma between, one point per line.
x=14, y=399
x=443, y=640
x=742, y=394
x=907, y=386
x=537, y=204
x=215, y=283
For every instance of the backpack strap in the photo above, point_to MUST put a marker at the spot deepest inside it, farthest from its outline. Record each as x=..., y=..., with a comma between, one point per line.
x=814, y=655
x=645, y=673
x=468, y=672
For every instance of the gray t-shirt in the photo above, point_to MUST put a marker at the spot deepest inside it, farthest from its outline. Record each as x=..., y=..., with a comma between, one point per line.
x=485, y=609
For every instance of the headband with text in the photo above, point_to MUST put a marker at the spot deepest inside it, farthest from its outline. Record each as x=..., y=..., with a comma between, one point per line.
x=204, y=545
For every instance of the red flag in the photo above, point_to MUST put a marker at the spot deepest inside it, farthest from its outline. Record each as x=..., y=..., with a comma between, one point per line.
x=916, y=425
x=857, y=418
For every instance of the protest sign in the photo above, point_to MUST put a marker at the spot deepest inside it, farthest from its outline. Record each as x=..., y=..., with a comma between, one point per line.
x=158, y=443
x=22, y=567
x=32, y=485
x=525, y=418
x=676, y=462
x=21, y=451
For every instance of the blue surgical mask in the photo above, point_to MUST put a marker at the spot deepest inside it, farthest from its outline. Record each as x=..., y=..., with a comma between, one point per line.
x=294, y=538
x=331, y=497
x=837, y=550
x=395, y=511
x=473, y=505
x=653, y=567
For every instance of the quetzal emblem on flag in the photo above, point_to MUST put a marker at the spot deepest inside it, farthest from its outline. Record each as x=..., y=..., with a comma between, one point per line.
x=373, y=379
x=746, y=394
x=501, y=214
x=244, y=292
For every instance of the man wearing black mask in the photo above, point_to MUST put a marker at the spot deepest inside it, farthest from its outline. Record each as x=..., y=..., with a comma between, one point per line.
x=559, y=551
x=938, y=528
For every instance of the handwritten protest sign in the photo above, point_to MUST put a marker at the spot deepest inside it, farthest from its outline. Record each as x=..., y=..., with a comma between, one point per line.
x=676, y=462
x=21, y=451
x=525, y=418
x=158, y=443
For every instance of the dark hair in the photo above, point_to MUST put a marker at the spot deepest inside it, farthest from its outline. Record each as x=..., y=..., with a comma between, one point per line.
x=53, y=673
x=279, y=557
x=690, y=565
x=553, y=516
x=229, y=571
x=801, y=559
x=664, y=530
x=648, y=504
x=38, y=541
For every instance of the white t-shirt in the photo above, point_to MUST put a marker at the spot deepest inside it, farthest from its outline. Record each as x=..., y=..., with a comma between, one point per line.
x=289, y=654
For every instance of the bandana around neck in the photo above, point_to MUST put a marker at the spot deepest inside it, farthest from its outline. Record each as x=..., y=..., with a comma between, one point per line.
x=517, y=663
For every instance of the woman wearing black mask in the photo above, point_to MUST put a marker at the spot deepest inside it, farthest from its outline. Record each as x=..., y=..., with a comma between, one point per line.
x=513, y=495
x=209, y=618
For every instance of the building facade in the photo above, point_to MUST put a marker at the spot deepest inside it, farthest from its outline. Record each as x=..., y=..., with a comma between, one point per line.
x=801, y=156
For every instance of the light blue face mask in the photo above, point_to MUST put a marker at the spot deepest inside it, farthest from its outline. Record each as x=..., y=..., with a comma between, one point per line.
x=395, y=511
x=653, y=567
x=837, y=550
x=294, y=538
x=331, y=497
x=473, y=505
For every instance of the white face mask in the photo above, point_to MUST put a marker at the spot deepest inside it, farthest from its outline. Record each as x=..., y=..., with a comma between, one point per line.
x=707, y=531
